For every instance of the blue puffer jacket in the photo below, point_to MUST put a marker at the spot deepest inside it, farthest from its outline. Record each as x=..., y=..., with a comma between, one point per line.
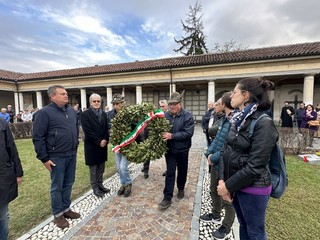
x=55, y=132
x=218, y=142
x=182, y=131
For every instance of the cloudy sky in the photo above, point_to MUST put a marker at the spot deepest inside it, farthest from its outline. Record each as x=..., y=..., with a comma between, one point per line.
x=44, y=35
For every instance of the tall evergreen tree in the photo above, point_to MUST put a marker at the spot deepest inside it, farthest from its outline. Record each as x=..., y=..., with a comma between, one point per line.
x=194, y=41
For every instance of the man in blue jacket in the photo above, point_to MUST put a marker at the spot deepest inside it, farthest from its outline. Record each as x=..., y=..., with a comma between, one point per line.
x=55, y=139
x=213, y=156
x=179, y=143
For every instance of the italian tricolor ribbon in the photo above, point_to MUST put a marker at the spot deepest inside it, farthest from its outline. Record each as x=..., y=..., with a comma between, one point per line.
x=138, y=129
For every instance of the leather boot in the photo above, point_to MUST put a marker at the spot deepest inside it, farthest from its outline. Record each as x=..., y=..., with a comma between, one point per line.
x=61, y=222
x=104, y=189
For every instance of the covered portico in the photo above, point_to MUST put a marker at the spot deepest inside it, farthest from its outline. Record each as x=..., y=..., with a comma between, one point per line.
x=294, y=69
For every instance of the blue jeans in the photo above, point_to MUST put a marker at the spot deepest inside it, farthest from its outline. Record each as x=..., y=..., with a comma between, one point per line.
x=4, y=222
x=62, y=179
x=251, y=213
x=123, y=170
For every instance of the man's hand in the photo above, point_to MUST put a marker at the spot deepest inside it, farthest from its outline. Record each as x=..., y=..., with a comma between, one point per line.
x=48, y=165
x=209, y=161
x=166, y=136
x=103, y=143
x=19, y=180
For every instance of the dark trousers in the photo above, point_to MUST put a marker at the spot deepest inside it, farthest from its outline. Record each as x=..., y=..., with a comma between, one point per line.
x=251, y=214
x=96, y=175
x=218, y=202
x=175, y=161
x=207, y=137
x=146, y=166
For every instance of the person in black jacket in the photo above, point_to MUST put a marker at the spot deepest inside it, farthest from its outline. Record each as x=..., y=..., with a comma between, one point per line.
x=10, y=175
x=246, y=179
x=205, y=121
x=95, y=126
x=55, y=140
x=179, y=143
x=286, y=115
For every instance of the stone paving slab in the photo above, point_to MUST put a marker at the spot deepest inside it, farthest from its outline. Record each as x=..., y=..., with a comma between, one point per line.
x=312, y=158
x=138, y=217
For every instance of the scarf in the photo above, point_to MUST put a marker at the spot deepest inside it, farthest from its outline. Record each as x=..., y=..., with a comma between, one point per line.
x=98, y=113
x=239, y=117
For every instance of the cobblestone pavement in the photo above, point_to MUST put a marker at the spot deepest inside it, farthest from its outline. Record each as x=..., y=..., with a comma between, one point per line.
x=138, y=217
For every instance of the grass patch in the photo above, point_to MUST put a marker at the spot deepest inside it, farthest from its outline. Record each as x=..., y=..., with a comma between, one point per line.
x=296, y=215
x=33, y=203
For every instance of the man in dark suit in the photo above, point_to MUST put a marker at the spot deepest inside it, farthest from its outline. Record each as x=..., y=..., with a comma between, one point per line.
x=95, y=126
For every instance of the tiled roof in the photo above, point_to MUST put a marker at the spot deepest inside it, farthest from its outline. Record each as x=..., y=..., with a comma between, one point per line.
x=277, y=52
x=8, y=75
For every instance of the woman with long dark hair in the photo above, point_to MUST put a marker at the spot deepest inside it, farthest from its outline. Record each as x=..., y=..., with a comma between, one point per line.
x=247, y=179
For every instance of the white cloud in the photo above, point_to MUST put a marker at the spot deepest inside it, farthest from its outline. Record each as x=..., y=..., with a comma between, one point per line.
x=41, y=34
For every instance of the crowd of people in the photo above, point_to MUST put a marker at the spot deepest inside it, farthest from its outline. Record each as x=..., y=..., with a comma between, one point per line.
x=238, y=163
x=9, y=115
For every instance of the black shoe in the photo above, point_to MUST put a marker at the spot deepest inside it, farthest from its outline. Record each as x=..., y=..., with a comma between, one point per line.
x=210, y=218
x=127, y=190
x=164, y=204
x=103, y=189
x=221, y=233
x=146, y=175
x=121, y=190
x=97, y=192
x=180, y=194
x=164, y=174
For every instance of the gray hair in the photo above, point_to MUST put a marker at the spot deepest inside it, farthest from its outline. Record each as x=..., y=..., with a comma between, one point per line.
x=52, y=90
x=165, y=102
x=94, y=95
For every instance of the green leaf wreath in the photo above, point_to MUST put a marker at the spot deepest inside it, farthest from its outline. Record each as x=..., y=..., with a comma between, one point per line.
x=122, y=127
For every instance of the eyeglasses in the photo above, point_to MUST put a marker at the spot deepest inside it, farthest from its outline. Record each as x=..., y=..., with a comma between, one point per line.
x=96, y=101
x=162, y=106
x=173, y=104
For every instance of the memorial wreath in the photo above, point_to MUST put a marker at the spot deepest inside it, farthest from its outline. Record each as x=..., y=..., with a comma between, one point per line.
x=129, y=123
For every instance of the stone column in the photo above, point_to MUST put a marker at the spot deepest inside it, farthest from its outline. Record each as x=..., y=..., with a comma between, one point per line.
x=109, y=97
x=21, y=102
x=16, y=103
x=83, y=95
x=308, y=89
x=172, y=88
x=138, y=94
x=211, y=91
x=39, y=100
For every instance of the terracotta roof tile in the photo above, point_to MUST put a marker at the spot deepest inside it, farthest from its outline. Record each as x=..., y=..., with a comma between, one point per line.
x=277, y=52
x=8, y=75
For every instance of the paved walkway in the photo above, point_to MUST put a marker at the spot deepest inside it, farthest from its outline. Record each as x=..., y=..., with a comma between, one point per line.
x=138, y=217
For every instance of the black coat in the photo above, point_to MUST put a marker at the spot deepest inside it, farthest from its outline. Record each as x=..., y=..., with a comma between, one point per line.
x=10, y=165
x=95, y=131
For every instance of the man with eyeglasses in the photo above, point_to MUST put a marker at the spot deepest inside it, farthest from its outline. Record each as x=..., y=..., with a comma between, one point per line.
x=55, y=140
x=179, y=143
x=95, y=126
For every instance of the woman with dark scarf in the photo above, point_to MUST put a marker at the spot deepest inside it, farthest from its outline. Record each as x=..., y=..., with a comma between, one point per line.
x=246, y=178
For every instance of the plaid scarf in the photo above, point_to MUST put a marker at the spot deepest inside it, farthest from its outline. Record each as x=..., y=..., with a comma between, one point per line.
x=239, y=117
